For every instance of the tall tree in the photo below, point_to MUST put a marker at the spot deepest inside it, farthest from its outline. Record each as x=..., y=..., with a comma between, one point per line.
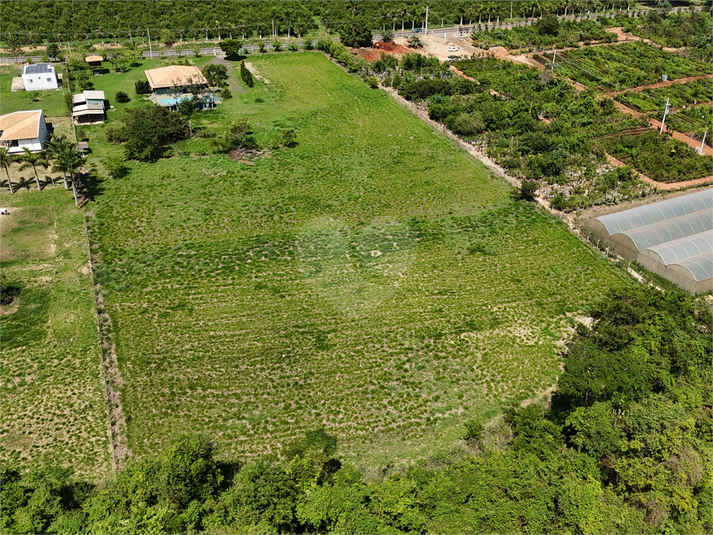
x=5, y=160
x=188, y=108
x=57, y=150
x=33, y=159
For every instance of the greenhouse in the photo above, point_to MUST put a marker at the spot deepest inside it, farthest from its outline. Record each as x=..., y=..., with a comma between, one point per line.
x=672, y=238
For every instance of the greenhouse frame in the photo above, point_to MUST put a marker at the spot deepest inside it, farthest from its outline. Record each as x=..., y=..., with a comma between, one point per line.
x=672, y=238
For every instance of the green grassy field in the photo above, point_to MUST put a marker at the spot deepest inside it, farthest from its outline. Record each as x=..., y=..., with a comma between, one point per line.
x=373, y=279
x=52, y=401
x=51, y=102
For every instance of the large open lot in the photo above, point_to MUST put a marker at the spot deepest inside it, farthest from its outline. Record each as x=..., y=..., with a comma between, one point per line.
x=373, y=279
x=53, y=403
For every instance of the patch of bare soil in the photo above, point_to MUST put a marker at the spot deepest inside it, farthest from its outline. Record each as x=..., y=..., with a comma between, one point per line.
x=253, y=70
x=10, y=308
x=620, y=35
x=243, y=155
x=374, y=53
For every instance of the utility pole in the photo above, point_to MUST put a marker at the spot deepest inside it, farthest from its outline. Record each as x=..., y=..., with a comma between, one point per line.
x=700, y=149
x=665, y=113
x=150, y=49
x=426, y=32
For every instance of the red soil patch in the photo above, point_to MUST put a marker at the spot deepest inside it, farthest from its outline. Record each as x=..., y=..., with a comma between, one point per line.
x=374, y=53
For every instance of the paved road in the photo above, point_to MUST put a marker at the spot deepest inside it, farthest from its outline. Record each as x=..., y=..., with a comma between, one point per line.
x=454, y=31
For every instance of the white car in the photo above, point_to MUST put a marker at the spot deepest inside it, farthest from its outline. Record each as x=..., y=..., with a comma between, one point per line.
x=452, y=48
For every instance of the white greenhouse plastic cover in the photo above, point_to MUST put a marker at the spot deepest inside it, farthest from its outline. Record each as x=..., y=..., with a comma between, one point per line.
x=701, y=266
x=672, y=229
x=683, y=248
x=657, y=212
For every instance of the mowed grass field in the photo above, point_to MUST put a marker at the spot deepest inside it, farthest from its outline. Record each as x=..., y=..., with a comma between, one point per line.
x=373, y=279
x=52, y=395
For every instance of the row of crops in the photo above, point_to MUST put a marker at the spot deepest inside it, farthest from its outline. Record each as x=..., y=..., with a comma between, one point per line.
x=623, y=66
x=567, y=34
x=537, y=125
x=654, y=99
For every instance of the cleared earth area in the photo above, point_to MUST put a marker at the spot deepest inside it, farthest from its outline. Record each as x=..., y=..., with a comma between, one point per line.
x=372, y=279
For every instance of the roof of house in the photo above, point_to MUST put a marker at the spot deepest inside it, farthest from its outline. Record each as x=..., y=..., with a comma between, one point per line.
x=20, y=125
x=174, y=75
x=38, y=68
x=88, y=95
x=90, y=59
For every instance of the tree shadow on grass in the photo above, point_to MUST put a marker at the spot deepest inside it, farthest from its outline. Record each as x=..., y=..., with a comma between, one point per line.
x=92, y=186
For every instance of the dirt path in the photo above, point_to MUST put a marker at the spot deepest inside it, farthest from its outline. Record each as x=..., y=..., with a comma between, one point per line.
x=668, y=186
x=112, y=376
x=662, y=84
x=228, y=65
x=707, y=150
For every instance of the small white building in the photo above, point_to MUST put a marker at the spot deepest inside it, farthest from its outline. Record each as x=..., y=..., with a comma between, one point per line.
x=23, y=129
x=39, y=77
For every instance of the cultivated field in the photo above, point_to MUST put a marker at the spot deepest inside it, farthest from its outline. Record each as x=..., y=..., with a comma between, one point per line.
x=373, y=279
x=626, y=65
x=53, y=404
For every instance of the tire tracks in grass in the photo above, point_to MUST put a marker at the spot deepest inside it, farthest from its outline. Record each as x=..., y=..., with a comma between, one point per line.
x=110, y=370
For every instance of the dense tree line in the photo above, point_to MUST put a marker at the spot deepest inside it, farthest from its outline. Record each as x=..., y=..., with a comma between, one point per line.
x=625, y=448
x=56, y=21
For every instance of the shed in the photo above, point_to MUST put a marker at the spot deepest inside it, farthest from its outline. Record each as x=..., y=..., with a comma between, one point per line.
x=95, y=64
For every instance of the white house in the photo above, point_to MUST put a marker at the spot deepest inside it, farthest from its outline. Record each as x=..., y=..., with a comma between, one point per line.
x=23, y=129
x=39, y=77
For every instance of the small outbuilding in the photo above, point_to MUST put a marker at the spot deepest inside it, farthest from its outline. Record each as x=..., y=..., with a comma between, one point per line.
x=89, y=107
x=95, y=64
x=39, y=77
x=23, y=130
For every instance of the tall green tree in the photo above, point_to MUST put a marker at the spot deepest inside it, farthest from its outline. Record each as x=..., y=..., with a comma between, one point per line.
x=57, y=148
x=34, y=159
x=188, y=107
x=5, y=160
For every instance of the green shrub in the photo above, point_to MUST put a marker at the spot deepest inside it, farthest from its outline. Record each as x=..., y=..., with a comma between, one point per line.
x=142, y=87
x=122, y=98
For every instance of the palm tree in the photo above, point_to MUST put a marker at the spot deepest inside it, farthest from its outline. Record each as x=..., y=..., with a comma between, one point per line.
x=187, y=108
x=30, y=159
x=5, y=160
x=70, y=161
x=55, y=149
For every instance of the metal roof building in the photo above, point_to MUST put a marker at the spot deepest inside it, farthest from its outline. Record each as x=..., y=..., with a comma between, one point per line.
x=672, y=238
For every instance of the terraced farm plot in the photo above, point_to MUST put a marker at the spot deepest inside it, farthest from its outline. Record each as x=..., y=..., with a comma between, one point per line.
x=626, y=65
x=53, y=403
x=374, y=279
x=661, y=158
x=679, y=95
x=694, y=121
